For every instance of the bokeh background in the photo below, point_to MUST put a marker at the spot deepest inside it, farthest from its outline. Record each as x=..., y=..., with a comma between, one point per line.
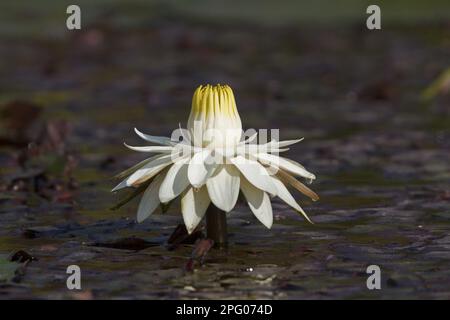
x=373, y=107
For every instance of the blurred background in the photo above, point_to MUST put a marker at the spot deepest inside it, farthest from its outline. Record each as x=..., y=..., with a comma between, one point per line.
x=373, y=107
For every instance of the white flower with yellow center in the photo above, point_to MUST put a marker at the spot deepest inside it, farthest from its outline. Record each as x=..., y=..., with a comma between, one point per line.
x=212, y=164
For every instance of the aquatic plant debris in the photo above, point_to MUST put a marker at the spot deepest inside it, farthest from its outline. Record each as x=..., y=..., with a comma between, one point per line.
x=212, y=163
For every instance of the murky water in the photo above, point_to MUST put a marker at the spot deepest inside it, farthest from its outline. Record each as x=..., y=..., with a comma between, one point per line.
x=380, y=153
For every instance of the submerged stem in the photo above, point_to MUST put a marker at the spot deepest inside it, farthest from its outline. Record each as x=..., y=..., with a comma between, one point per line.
x=216, y=226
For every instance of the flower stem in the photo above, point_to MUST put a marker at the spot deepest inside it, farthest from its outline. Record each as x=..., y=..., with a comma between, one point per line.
x=216, y=226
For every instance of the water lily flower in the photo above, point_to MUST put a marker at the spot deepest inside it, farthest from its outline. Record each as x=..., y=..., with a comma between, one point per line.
x=212, y=163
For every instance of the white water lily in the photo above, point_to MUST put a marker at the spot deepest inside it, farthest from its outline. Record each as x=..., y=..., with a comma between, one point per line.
x=212, y=164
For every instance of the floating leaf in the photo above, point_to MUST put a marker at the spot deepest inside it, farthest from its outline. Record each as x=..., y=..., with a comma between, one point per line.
x=202, y=247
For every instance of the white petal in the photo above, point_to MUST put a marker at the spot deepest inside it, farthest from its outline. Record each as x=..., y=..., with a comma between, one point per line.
x=286, y=196
x=223, y=187
x=249, y=139
x=255, y=173
x=154, y=139
x=193, y=206
x=259, y=203
x=276, y=150
x=185, y=135
x=286, y=164
x=159, y=149
x=150, y=199
x=243, y=149
x=149, y=170
x=123, y=174
x=285, y=143
x=258, y=148
x=175, y=182
x=201, y=167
